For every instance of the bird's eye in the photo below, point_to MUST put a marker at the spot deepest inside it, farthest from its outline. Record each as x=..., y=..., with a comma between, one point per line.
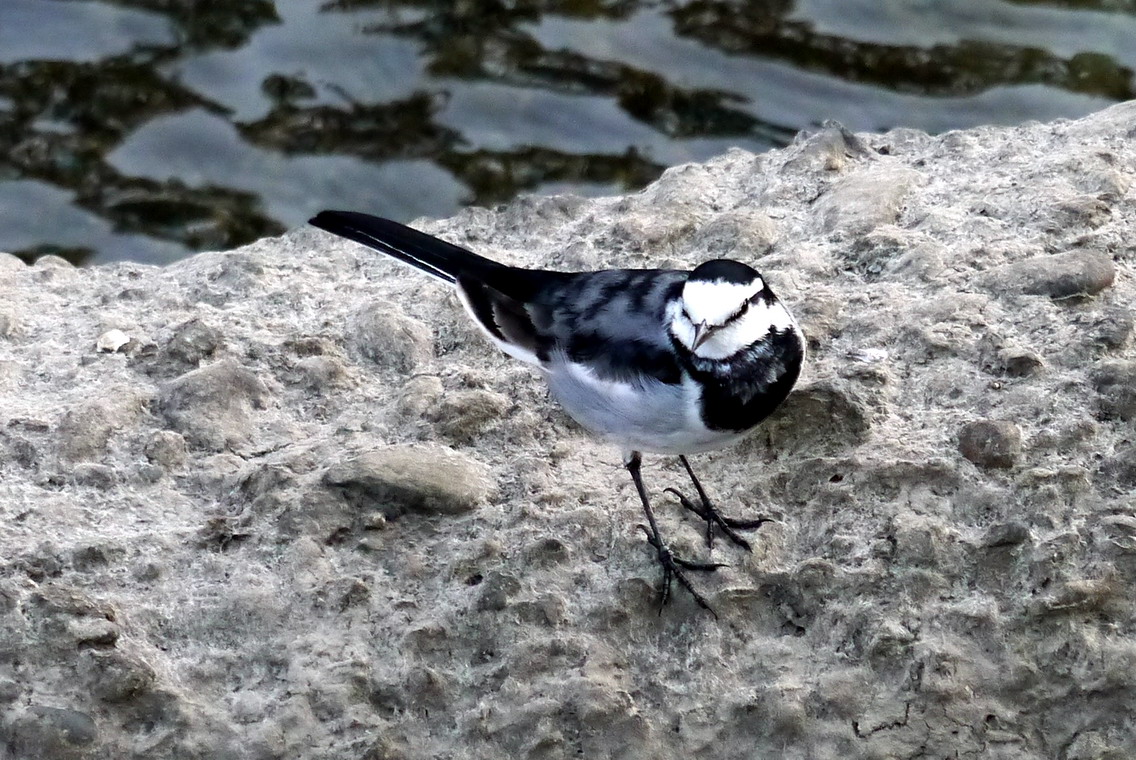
x=686, y=315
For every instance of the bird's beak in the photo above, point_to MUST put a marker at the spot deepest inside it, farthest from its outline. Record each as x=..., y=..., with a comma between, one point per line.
x=702, y=331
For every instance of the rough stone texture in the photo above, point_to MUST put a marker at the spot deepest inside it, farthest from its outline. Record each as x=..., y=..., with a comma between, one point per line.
x=194, y=564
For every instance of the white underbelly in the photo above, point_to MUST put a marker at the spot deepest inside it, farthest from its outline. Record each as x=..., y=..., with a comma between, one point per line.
x=650, y=416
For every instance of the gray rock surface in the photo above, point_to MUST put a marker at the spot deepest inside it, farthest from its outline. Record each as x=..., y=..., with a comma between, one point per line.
x=306, y=512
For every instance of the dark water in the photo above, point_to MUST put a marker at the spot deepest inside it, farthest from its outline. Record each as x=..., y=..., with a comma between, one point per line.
x=148, y=129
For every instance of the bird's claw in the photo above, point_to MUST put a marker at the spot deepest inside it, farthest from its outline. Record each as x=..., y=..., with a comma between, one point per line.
x=673, y=570
x=728, y=525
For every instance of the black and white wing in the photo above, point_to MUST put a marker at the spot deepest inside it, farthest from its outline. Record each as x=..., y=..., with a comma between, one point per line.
x=611, y=321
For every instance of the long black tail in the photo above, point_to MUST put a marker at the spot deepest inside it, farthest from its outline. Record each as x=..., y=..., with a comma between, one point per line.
x=426, y=252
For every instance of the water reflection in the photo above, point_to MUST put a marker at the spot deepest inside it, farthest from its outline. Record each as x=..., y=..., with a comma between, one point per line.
x=177, y=125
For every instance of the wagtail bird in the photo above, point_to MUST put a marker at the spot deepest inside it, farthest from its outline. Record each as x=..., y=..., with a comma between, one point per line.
x=653, y=360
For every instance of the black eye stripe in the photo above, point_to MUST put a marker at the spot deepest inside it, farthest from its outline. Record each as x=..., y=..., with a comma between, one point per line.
x=737, y=314
x=732, y=318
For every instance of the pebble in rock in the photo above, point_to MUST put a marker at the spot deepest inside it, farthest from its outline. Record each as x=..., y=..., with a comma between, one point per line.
x=1115, y=381
x=1115, y=329
x=750, y=233
x=993, y=444
x=54, y=733
x=94, y=475
x=1073, y=274
x=407, y=478
x=85, y=432
x=863, y=201
x=193, y=342
x=462, y=415
x=382, y=333
x=166, y=448
x=825, y=414
x=212, y=406
x=114, y=675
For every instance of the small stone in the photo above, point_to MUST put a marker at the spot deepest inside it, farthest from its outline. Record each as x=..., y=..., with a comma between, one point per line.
x=11, y=263
x=9, y=691
x=21, y=451
x=94, y=475
x=1018, y=362
x=547, y=551
x=146, y=473
x=166, y=448
x=464, y=414
x=825, y=414
x=406, y=478
x=867, y=199
x=876, y=252
x=1121, y=467
x=1006, y=534
x=352, y=593
x=8, y=324
x=1115, y=328
x=55, y=600
x=741, y=233
x=44, y=561
x=212, y=406
x=381, y=332
x=1081, y=211
x=495, y=592
x=111, y=341
x=114, y=675
x=1079, y=596
x=92, y=632
x=826, y=150
x=319, y=372
x=50, y=732
x=1115, y=381
x=1073, y=274
x=925, y=260
x=418, y=395
x=85, y=432
x=991, y=443
x=1119, y=526
x=192, y=343
x=93, y=557
x=51, y=261
x=147, y=572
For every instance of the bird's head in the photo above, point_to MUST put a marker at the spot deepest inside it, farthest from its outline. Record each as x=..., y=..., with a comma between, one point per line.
x=725, y=307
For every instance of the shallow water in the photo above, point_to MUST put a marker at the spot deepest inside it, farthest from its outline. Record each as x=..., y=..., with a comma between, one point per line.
x=148, y=129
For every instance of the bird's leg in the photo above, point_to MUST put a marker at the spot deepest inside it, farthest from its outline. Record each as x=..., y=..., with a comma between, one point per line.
x=728, y=525
x=672, y=566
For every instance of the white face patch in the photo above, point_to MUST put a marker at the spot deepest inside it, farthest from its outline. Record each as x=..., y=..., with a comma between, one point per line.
x=714, y=302
x=725, y=341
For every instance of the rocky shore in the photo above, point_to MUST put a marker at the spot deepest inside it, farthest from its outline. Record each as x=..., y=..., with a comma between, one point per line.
x=284, y=502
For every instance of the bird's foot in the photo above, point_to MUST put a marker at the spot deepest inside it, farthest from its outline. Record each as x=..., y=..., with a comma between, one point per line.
x=673, y=571
x=728, y=525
